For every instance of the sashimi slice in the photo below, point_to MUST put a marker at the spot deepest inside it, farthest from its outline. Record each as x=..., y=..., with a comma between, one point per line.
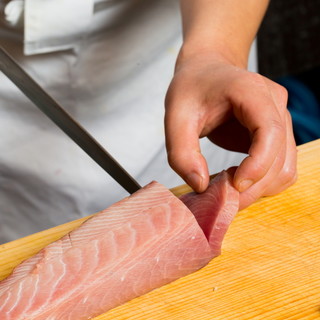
x=138, y=244
x=214, y=209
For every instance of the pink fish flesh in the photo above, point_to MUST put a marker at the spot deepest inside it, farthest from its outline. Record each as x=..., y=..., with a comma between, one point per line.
x=138, y=244
x=214, y=209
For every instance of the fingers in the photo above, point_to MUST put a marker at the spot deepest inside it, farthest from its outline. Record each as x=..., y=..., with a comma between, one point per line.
x=288, y=173
x=182, y=143
x=266, y=123
x=279, y=177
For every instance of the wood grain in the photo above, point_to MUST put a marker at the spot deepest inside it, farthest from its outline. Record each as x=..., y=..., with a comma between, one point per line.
x=269, y=267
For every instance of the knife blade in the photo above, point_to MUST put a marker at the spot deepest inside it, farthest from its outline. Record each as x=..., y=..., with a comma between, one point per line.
x=65, y=121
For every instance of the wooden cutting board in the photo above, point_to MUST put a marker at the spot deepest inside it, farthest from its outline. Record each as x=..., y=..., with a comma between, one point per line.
x=269, y=268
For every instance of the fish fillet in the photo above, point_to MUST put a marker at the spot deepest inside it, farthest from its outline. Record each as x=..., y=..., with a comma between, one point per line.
x=138, y=244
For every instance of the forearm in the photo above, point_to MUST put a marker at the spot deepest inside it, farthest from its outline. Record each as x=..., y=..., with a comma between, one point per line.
x=223, y=27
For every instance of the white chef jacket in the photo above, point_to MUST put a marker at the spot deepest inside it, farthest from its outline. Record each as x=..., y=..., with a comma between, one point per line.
x=109, y=64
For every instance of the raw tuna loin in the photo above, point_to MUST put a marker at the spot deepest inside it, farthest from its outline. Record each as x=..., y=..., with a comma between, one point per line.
x=138, y=244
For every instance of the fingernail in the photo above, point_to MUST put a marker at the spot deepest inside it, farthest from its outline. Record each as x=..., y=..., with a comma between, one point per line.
x=245, y=184
x=195, y=181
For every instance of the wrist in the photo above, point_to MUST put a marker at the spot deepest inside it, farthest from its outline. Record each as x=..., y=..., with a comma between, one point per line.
x=219, y=53
x=225, y=29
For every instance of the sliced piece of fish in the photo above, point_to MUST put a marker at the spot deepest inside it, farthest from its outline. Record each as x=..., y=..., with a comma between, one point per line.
x=138, y=244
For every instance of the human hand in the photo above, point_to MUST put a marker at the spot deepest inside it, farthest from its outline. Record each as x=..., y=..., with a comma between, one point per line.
x=237, y=110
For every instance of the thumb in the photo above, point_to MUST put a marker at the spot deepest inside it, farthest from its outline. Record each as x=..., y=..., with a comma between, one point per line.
x=183, y=148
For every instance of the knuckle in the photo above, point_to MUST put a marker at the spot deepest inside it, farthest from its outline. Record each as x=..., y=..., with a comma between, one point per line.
x=283, y=92
x=281, y=97
x=280, y=89
x=279, y=94
x=289, y=117
x=277, y=128
x=259, y=169
x=256, y=169
x=288, y=175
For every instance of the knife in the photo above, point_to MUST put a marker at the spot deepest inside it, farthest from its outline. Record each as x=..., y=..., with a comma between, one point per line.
x=65, y=122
